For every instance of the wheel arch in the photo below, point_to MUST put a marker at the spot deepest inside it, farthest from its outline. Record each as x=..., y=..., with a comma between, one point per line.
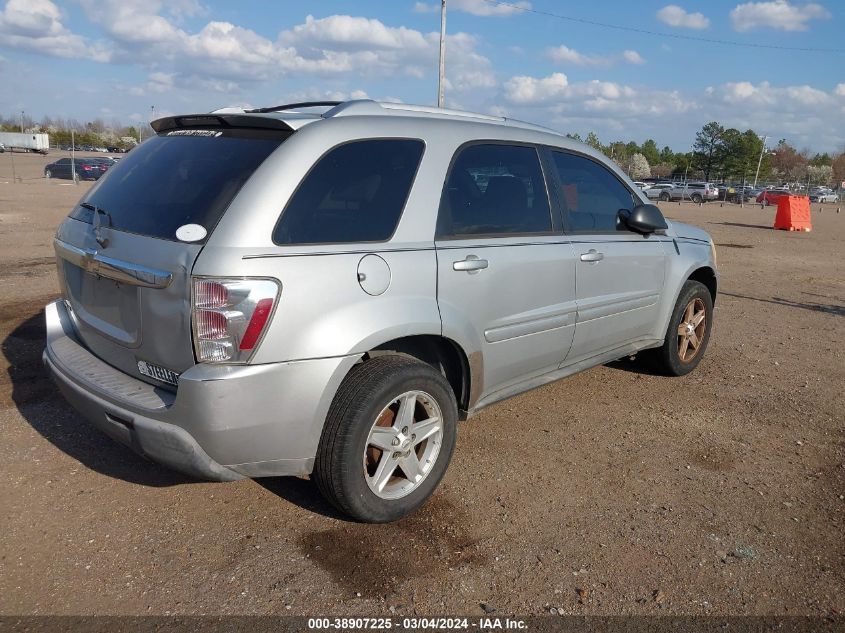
x=707, y=276
x=442, y=353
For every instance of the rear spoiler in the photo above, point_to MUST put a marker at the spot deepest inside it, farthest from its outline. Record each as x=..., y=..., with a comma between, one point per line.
x=228, y=121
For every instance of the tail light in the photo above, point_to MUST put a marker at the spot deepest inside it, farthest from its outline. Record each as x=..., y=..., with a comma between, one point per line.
x=86, y=167
x=230, y=316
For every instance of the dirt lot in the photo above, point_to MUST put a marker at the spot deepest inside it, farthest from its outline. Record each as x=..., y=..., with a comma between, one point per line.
x=612, y=492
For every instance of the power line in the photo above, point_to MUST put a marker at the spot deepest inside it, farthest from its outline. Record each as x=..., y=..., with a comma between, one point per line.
x=677, y=36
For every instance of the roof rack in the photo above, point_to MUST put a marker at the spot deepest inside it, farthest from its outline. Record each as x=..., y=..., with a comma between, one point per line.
x=294, y=106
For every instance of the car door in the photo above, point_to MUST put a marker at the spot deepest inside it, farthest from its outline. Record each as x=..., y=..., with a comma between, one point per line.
x=62, y=168
x=506, y=274
x=619, y=273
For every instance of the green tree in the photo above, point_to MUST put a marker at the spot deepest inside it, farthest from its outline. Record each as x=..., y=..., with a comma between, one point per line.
x=819, y=160
x=707, y=147
x=650, y=151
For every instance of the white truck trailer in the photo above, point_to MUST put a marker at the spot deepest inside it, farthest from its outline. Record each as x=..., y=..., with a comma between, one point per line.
x=30, y=142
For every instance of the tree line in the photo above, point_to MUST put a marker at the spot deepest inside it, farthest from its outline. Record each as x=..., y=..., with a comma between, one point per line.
x=724, y=154
x=96, y=133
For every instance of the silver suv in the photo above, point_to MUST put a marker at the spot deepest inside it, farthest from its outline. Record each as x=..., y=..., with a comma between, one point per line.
x=285, y=291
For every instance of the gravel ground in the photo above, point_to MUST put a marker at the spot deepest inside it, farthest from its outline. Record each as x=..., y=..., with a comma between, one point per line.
x=611, y=492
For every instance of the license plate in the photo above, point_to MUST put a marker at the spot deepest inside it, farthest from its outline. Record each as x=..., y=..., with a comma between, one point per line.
x=158, y=373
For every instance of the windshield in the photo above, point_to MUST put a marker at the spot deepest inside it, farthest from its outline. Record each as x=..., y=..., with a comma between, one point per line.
x=176, y=179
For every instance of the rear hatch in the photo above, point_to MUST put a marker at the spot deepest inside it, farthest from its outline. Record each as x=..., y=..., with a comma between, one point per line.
x=123, y=271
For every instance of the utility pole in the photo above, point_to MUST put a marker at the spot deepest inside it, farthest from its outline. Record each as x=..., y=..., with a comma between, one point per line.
x=760, y=160
x=73, y=157
x=442, y=74
x=21, y=121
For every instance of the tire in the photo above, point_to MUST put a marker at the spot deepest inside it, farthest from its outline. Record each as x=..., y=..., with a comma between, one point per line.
x=696, y=199
x=667, y=358
x=349, y=467
x=664, y=197
x=48, y=173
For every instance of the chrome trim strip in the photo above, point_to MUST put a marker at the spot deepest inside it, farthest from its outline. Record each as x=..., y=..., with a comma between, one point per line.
x=126, y=272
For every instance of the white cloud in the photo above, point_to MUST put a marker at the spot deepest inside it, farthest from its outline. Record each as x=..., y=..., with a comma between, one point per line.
x=36, y=26
x=840, y=90
x=531, y=90
x=673, y=15
x=569, y=56
x=476, y=7
x=777, y=14
x=633, y=57
x=764, y=94
x=224, y=57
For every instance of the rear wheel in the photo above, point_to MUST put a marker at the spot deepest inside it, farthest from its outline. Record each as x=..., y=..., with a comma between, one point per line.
x=388, y=439
x=696, y=198
x=664, y=197
x=688, y=332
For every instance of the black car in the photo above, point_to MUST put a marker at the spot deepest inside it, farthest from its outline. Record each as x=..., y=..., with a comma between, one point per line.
x=86, y=169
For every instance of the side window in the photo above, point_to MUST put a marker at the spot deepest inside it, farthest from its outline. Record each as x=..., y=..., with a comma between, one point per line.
x=591, y=195
x=355, y=193
x=493, y=189
x=64, y=161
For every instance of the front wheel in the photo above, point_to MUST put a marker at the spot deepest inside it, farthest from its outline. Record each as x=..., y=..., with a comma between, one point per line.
x=388, y=439
x=688, y=332
x=48, y=173
x=664, y=197
x=696, y=199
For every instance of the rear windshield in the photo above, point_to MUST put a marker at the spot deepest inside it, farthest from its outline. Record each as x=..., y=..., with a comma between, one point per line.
x=176, y=179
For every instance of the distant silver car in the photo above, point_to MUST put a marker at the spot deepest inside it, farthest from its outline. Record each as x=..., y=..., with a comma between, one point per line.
x=284, y=292
x=656, y=191
x=694, y=191
x=824, y=195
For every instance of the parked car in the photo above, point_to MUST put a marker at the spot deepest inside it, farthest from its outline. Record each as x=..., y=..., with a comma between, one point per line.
x=2, y=148
x=104, y=163
x=771, y=196
x=656, y=191
x=642, y=185
x=694, y=191
x=824, y=196
x=86, y=168
x=339, y=321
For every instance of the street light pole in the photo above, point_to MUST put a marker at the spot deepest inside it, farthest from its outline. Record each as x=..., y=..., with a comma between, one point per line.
x=760, y=160
x=442, y=74
x=21, y=121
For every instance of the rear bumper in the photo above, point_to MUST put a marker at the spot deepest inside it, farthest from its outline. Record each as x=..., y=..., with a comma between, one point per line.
x=225, y=422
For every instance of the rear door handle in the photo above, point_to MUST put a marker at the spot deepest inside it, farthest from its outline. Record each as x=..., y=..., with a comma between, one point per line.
x=472, y=264
x=592, y=256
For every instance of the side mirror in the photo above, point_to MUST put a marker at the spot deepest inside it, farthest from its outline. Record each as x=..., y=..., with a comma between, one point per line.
x=645, y=219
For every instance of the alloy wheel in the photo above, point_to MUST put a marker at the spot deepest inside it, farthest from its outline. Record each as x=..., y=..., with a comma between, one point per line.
x=403, y=445
x=691, y=330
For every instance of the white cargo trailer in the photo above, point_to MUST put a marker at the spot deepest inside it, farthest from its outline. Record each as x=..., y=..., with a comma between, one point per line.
x=31, y=142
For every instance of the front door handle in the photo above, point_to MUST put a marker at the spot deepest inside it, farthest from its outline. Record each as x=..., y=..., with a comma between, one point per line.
x=472, y=264
x=592, y=256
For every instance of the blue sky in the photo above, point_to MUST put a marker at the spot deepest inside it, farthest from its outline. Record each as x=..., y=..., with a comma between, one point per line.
x=114, y=59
